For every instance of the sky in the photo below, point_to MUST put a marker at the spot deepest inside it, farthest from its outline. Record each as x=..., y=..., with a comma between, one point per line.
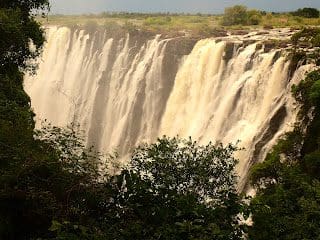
x=187, y=6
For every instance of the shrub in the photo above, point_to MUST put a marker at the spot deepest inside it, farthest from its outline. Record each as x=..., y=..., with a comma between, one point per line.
x=254, y=17
x=307, y=13
x=239, y=15
x=235, y=15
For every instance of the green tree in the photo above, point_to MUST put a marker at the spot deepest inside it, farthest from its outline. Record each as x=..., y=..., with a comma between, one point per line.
x=240, y=15
x=42, y=178
x=254, y=17
x=18, y=29
x=177, y=189
x=59, y=181
x=235, y=15
x=307, y=12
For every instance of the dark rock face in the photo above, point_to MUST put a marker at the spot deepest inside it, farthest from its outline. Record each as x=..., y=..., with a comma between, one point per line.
x=229, y=51
x=263, y=138
x=239, y=32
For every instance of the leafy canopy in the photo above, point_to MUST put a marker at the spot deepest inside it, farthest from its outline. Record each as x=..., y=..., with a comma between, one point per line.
x=177, y=189
x=240, y=15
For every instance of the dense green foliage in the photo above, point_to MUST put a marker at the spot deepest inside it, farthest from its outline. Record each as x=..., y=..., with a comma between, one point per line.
x=287, y=205
x=239, y=15
x=176, y=189
x=235, y=15
x=42, y=176
x=18, y=29
x=307, y=12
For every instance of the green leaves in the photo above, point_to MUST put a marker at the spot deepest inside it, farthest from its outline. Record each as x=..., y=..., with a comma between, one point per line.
x=55, y=227
x=307, y=12
x=184, y=167
x=177, y=189
x=235, y=15
x=239, y=15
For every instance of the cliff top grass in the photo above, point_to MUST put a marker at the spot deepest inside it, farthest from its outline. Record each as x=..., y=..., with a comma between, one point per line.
x=202, y=24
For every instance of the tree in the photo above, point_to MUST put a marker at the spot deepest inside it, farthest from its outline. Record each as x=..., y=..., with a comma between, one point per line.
x=17, y=29
x=60, y=181
x=239, y=15
x=41, y=179
x=177, y=189
x=254, y=17
x=235, y=15
x=307, y=13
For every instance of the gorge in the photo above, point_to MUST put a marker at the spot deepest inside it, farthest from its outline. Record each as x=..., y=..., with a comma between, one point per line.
x=127, y=88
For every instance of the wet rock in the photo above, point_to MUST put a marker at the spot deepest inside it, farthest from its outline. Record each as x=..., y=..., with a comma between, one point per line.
x=267, y=27
x=269, y=45
x=262, y=33
x=229, y=50
x=239, y=32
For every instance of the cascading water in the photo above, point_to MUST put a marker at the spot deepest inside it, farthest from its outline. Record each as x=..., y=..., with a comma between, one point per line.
x=127, y=90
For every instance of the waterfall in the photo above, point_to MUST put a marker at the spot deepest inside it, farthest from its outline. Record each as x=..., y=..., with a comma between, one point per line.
x=124, y=90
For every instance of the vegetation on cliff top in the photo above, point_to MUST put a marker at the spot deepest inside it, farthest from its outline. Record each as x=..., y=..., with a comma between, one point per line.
x=237, y=17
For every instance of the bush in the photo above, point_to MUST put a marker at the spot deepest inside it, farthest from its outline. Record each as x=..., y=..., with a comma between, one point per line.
x=177, y=189
x=235, y=15
x=254, y=17
x=307, y=13
x=239, y=15
x=157, y=21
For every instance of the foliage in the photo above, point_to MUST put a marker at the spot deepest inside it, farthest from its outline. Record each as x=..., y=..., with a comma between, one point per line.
x=239, y=15
x=58, y=179
x=157, y=21
x=307, y=93
x=176, y=189
x=307, y=35
x=180, y=22
x=254, y=17
x=16, y=21
x=38, y=180
x=72, y=153
x=205, y=171
x=287, y=205
x=307, y=12
x=173, y=189
x=235, y=15
x=130, y=27
x=302, y=40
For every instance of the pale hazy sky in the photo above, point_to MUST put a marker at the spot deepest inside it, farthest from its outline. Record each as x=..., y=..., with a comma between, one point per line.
x=193, y=6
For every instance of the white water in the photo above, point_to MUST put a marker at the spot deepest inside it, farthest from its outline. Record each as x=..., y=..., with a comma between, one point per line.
x=121, y=95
